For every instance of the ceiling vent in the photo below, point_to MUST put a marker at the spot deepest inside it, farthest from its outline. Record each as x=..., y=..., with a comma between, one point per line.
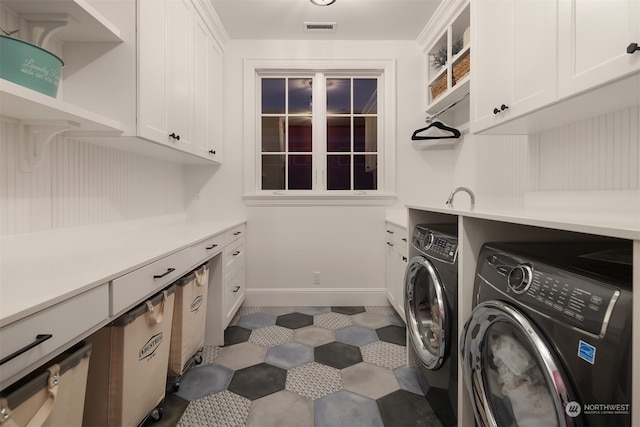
x=320, y=27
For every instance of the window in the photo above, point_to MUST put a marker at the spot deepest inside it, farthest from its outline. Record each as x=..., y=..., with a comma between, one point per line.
x=319, y=134
x=346, y=146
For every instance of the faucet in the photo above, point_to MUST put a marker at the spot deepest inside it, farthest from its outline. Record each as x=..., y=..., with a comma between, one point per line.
x=458, y=189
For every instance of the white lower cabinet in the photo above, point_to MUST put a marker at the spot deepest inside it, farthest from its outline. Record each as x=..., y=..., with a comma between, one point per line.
x=233, y=290
x=396, y=263
x=42, y=335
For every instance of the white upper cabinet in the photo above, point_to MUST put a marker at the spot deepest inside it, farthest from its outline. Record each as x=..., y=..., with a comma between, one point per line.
x=547, y=63
x=207, y=77
x=164, y=81
x=176, y=80
x=514, y=59
x=593, y=41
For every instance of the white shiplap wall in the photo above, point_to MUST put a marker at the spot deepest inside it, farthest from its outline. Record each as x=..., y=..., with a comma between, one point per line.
x=601, y=153
x=79, y=183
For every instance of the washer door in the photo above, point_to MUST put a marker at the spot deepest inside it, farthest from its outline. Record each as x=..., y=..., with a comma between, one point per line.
x=426, y=311
x=510, y=371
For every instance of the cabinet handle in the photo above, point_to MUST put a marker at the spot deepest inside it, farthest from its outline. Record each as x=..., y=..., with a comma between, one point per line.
x=404, y=258
x=389, y=231
x=212, y=151
x=160, y=276
x=211, y=247
x=236, y=289
x=389, y=243
x=633, y=47
x=174, y=136
x=502, y=108
x=237, y=232
x=236, y=253
x=404, y=239
x=40, y=338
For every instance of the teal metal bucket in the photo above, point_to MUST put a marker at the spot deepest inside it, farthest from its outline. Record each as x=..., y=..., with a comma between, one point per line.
x=30, y=66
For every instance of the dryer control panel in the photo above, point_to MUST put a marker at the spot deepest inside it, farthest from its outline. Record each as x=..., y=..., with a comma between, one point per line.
x=562, y=295
x=436, y=241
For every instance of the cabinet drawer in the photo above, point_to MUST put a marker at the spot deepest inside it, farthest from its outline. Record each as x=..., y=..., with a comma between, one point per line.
x=131, y=288
x=56, y=326
x=396, y=235
x=233, y=255
x=206, y=249
x=234, y=293
x=234, y=234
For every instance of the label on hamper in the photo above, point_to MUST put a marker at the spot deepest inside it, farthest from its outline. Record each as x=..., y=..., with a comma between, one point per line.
x=149, y=349
x=196, y=303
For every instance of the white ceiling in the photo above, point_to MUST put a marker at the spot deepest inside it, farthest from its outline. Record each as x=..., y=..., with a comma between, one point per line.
x=355, y=19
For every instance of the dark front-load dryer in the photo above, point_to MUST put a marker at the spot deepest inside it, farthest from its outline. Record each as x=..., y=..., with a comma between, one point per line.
x=431, y=286
x=548, y=342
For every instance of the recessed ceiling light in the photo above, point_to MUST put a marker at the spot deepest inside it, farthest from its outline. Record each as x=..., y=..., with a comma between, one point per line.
x=322, y=2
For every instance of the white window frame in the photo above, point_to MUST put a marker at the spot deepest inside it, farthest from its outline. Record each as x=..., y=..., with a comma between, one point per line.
x=254, y=69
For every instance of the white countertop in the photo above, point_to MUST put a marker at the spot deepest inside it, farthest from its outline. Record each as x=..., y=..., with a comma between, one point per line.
x=615, y=215
x=398, y=217
x=41, y=269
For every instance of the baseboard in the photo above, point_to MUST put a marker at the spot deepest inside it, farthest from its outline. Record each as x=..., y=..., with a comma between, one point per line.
x=278, y=297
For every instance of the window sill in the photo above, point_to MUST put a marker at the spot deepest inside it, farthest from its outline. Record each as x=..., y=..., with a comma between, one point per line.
x=350, y=199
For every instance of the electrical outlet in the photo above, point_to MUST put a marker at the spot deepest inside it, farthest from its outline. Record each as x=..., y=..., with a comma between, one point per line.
x=316, y=277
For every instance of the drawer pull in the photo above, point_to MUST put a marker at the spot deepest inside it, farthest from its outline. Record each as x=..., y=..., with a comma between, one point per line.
x=236, y=289
x=237, y=232
x=389, y=243
x=211, y=247
x=236, y=253
x=389, y=231
x=40, y=338
x=404, y=239
x=160, y=276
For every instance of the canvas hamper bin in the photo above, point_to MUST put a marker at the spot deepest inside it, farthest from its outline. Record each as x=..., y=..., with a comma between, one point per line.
x=189, y=319
x=51, y=396
x=128, y=370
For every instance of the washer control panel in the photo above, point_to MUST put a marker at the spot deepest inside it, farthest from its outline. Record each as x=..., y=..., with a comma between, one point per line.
x=435, y=243
x=560, y=294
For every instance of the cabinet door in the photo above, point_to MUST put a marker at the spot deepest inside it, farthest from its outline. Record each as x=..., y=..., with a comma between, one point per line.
x=492, y=59
x=200, y=87
x=392, y=273
x=214, y=100
x=179, y=32
x=402, y=260
x=594, y=35
x=153, y=82
x=515, y=59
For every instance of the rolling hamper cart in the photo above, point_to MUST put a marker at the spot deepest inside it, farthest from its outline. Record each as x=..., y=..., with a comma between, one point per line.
x=51, y=396
x=189, y=318
x=128, y=371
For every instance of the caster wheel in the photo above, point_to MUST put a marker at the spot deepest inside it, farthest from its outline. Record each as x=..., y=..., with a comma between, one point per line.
x=156, y=414
x=198, y=359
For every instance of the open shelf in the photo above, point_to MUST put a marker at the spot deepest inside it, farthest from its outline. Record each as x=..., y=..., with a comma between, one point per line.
x=24, y=104
x=86, y=24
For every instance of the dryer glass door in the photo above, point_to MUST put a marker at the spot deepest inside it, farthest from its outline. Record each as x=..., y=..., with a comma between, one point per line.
x=426, y=312
x=511, y=373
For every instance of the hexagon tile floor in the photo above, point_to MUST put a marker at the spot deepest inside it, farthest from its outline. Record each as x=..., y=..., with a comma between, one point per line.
x=304, y=366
